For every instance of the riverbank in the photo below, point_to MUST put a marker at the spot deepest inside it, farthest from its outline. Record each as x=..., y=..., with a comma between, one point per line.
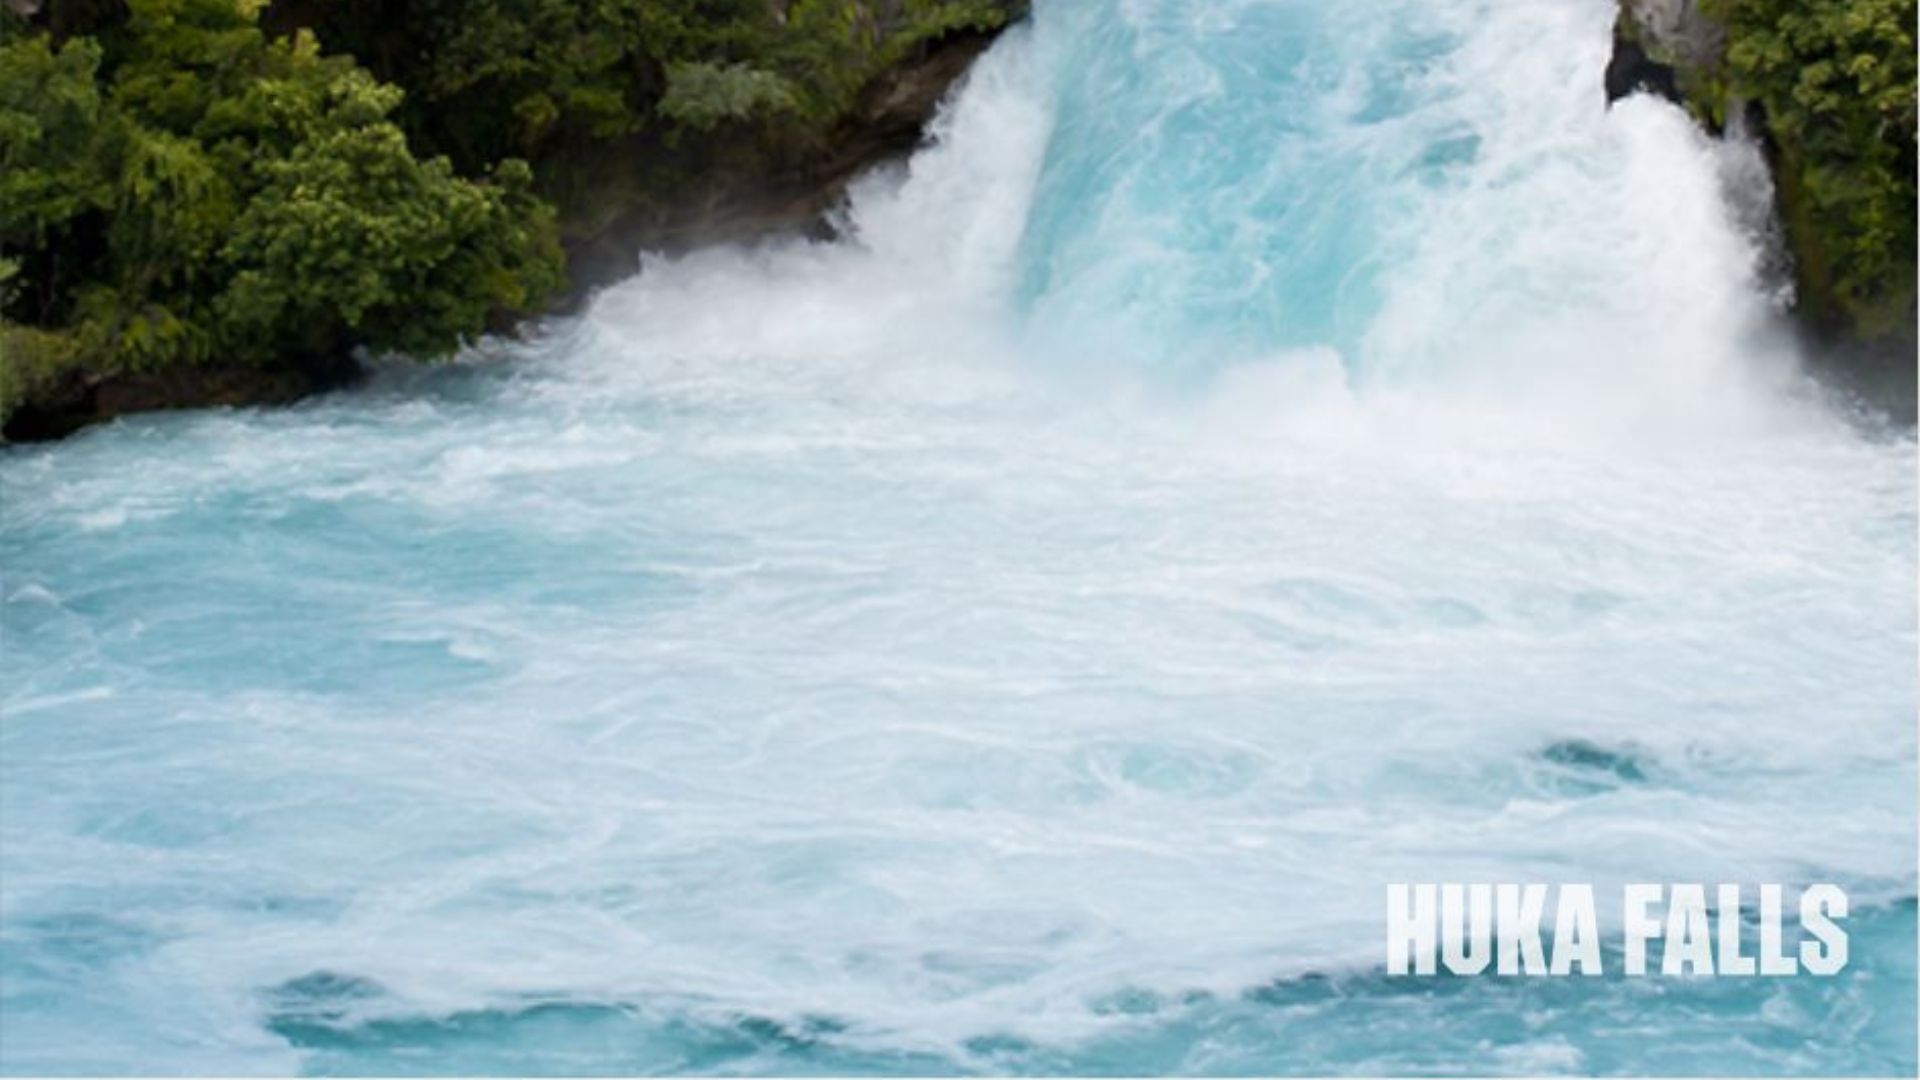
x=587, y=136
x=632, y=150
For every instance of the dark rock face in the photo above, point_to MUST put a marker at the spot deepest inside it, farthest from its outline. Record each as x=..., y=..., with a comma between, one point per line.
x=82, y=398
x=1631, y=70
x=1675, y=32
x=1659, y=46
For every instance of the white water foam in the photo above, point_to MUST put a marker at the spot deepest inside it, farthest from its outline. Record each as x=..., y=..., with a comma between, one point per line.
x=959, y=628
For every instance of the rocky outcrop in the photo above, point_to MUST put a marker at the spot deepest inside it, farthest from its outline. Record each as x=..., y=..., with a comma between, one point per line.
x=1673, y=48
x=1664, y=47
x=79, y=397
x=1633, y=70
x=1676, y=32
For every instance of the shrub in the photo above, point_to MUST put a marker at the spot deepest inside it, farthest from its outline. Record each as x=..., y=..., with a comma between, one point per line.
x=703, y=95
x=199, y=191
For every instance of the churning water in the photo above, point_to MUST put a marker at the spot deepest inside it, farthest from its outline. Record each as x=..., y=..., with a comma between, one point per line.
x=1263, y=450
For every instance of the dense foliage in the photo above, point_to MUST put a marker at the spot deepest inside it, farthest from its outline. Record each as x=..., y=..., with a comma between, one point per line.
x=185, y=190
x=625, y=107
x=489, y=78
x=194, y=182
x=1836, y=80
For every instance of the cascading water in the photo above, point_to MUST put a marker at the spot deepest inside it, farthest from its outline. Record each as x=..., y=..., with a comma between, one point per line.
x=1262, y=451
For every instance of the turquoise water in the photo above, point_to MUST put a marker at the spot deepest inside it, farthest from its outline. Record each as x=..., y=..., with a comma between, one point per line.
x=1260, y=452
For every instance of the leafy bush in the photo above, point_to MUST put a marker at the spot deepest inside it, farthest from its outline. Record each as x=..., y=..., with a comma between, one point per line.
x=30, y=359
x=193, y=190
x=50, y=135
x=703, y=95
x=495, y=77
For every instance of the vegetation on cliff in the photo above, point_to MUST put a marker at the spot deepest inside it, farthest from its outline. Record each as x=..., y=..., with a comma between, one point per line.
x=1836, y=81
x=492, y=78
x=634, y=110
x=193, y=183
x=185, y=190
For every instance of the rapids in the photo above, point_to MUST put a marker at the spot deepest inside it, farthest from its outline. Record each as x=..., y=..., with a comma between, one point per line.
x=1260, y=450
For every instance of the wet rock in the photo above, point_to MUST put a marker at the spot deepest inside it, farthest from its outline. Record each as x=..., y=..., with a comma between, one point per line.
x=80, y=397
x=1632, y=71
x=1676, y=33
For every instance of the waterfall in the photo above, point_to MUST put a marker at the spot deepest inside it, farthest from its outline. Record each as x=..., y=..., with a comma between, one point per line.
x=1257, y=451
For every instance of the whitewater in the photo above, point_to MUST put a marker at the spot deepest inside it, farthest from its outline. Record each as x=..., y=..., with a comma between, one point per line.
x=1258, y=451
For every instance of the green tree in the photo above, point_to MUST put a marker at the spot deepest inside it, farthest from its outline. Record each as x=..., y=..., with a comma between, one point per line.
x=51, y=140
x=249, y=200
x=194, y=181
x=496, y=77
